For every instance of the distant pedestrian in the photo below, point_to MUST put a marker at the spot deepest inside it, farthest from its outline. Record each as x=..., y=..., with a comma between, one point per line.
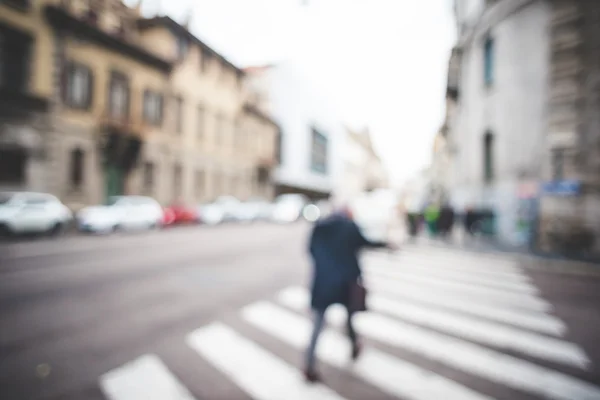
x=446, y=220
x=334, y=246
x=431, y=215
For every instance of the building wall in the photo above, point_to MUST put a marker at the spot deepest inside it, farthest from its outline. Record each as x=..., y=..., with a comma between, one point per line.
x=513, y=108
x=573, y=127
x=297, y=107
x=213, y=160
x=31, y=21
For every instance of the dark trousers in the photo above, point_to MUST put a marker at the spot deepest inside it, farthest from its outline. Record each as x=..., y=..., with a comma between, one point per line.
x=319, y=323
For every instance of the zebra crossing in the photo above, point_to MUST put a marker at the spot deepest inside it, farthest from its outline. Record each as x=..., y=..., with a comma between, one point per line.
x=476, y=315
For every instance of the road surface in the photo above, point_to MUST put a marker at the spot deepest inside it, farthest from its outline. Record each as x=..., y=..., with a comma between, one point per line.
x=221, y=313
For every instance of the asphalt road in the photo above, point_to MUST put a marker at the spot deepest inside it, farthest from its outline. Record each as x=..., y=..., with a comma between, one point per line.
x=73, y=309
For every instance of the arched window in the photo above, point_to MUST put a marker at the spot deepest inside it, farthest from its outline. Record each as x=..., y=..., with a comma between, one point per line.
x=488, y=157
x=76, y=167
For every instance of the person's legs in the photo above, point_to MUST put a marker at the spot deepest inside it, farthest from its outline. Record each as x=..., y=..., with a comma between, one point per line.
x=356, y=346
x=319, y=321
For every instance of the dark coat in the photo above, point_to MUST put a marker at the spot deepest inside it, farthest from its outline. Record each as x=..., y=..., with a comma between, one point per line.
x=334, y=246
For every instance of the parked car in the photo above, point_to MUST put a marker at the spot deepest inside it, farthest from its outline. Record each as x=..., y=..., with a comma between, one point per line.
x=211, y=213
x=30, y=212
x=121, y=213
x=288, y=208
x=254, y=209
x=230, y=206
x=180, y=214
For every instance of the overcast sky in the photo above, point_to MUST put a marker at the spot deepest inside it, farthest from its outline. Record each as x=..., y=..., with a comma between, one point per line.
x=381, y=62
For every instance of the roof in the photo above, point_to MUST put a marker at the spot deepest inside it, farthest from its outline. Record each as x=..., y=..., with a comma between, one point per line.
x=253, y=110
x=257, y=68
x=176, y=28
x=61, y=20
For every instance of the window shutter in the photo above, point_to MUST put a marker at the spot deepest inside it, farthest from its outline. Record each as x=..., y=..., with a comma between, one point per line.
x=90, y=91
x=161, y=106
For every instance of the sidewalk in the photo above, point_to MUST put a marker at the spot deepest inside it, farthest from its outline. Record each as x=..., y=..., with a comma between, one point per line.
x=528, y=259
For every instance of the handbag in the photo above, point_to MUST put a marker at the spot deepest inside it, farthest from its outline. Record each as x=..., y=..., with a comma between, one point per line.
x=358, y=296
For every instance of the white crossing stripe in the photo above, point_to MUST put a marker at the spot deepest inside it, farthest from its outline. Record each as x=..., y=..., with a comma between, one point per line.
x=145, y=378
x=536, y=321
x=470, y=328
x=475, y=293
x=482, y=267
x=383, y=371
x=256, y=371
x=472, y=358
x=467, y=327
x=471, y=278
x=439, y=253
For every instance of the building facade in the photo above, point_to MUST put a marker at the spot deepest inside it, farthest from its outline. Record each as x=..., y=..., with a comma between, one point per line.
x=526, y=125
x=499, y=124
x=117, y=104
x=363, y=170
x=311, y=137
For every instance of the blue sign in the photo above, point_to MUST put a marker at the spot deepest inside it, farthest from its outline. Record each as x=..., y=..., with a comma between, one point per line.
x=563, y=188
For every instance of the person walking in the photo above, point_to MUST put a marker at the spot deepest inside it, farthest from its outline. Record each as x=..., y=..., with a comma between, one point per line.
x=335, y=242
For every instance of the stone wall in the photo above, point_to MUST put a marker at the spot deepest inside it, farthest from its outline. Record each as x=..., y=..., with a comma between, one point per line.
x=572, y=224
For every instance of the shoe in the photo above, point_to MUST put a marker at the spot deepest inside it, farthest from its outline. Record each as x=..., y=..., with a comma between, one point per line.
x=312, y=376
x=356, y=350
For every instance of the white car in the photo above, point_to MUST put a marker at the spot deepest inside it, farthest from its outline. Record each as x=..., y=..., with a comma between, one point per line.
x=288, y=208
x=121, y=213
x=29, y=212
x=255, y=209
x=211, y=214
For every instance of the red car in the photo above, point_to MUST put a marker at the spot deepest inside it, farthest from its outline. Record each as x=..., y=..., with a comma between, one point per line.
x=179, y=214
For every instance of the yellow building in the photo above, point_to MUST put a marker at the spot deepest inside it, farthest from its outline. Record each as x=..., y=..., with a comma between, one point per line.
x=214, y=142
x=114, y=103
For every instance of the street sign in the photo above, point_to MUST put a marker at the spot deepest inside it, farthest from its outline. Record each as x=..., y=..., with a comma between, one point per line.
x=563, y=188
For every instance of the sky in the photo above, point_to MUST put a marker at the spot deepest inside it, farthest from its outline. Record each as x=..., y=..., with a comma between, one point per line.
x=382, y=63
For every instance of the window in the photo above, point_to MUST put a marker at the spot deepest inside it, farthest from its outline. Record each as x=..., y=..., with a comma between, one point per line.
x=318, y=162
x=488, y=157
x=12, y=165
x=148, y=177
x=201, y=115
x=76, y=167
x=37, y=199
x=200, y=183
x=118, y=96
x=558, y=164
x=153, y=107
x=182, y=47
x=488, y=61
x=204, y=60
x=279, y=147
x=177, y=178
x=15, y=51
x=178, y=102
x=78, y=86
x=219, y=128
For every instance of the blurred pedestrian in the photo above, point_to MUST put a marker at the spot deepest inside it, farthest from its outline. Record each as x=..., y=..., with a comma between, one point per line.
x=431, y=215
x=334, y=245
x=446, y=220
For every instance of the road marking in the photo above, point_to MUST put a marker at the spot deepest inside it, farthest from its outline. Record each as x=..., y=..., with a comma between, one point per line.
x=145, y=378
x=489, y=333
x=471, y=358
x=475, y=293
x=470, y=278
x=256, y=371
x=388, y=373
x=454, y=264
x=535, y=321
